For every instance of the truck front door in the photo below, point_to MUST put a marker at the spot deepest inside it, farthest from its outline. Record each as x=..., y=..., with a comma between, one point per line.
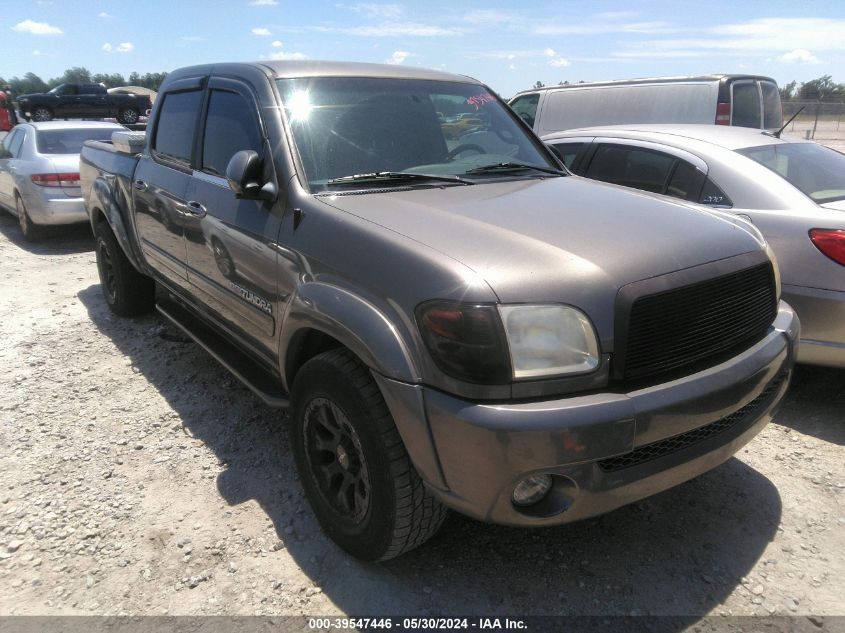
x=230, y=241
x=161, y=181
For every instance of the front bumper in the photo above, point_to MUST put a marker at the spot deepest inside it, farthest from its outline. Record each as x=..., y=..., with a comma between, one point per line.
x=822, y=315
x=603, y=450
x=52, y=206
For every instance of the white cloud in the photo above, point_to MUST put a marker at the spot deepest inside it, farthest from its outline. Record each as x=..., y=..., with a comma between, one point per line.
x=398, y=57
x=374, y=10
x=392, y=29
x=277, y=43
x=282, y=56
x=511, y=66
x=560, y=62
x=37, y=53
x=264, y=3
x=192, y=38
x=103, y=14
x=123, y=47
x=763, y=35
x=585, y=28
x=261, y=31
x=549, y=52
x=36, y=28
x=491, y=17
x=615, y=15
x=799, y=56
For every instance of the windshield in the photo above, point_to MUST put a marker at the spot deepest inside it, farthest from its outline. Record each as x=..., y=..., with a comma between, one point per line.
x=817, y=171
x=70, y=141
x=346, y=126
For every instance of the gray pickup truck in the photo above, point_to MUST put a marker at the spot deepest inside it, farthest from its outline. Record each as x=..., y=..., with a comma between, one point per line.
x=452, y=319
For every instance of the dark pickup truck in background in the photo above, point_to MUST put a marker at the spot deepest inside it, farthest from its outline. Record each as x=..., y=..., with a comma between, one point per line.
x=453, y=319
x=83, y=101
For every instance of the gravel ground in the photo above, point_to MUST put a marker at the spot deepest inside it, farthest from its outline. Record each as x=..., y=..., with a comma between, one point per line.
x=138, y=477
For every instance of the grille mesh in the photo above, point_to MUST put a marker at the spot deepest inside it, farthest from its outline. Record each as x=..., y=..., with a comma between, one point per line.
x=673, y=444
x=672, y=329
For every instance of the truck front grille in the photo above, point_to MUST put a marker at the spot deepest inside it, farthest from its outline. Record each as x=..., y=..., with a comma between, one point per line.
x=686, y=325
x=652, y=451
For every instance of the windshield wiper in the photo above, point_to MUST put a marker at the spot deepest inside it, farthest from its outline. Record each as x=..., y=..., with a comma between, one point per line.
x=514, y=166
x=396, y=175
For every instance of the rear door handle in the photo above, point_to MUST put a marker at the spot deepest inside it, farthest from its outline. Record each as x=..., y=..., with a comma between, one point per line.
x=140, y=185
x=195, y=208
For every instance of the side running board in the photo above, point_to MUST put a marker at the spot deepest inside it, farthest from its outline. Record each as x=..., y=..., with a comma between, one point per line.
x=239, y=364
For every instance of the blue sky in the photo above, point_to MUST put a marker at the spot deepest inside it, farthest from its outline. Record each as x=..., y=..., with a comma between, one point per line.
x=509, y=45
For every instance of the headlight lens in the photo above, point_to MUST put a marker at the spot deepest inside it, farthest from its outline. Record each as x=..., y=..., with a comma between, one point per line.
x=549, y=340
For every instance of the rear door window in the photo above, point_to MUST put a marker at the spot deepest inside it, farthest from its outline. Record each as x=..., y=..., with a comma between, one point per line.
x=631, y=166
x=177, y=121
x=16, y=144
x=231, y=126
x=745, y=109
x=685, y=182
x=772, y=108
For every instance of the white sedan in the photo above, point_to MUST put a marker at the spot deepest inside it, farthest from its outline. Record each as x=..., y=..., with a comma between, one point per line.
x=39, y=172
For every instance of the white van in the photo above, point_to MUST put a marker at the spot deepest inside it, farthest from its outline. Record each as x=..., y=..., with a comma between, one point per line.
x=741, y=100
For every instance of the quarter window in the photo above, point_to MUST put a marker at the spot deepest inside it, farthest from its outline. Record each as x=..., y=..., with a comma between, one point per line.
x=712, y=195
x=174, y=136
x=230, y=127
x=567, y=152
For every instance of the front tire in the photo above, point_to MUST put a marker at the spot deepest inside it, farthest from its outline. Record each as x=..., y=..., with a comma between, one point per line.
x=127, y=292
x=31, y=231
x=353, y=465
x=128, y=116
x=42, y=114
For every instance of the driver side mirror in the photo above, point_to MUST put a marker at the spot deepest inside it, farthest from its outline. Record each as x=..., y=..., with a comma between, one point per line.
x=244, y=173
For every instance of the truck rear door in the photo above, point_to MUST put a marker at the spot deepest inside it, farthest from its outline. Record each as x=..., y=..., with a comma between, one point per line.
x=161, y=181
x=229, y=241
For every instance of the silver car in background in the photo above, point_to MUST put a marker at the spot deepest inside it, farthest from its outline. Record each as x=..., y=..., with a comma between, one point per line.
x=39, y=172
x=793, y=191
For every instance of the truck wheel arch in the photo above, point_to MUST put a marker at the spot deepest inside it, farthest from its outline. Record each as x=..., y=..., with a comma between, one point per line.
x=321, y=317
x=105, y=209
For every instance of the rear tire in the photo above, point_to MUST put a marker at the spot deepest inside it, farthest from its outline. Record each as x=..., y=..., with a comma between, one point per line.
x=31, y=231
x=127, y=292
x=353, y=465
x=42, y=114
x=128, y=116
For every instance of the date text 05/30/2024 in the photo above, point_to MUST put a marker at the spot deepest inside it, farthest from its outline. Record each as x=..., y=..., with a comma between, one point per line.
x=436, y=624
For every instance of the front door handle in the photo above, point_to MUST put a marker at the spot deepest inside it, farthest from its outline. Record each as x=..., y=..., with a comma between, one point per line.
x=140, y=185
x=197, y=209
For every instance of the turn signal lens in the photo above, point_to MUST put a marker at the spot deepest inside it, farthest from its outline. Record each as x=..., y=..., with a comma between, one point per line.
x=56, y=180
x=831, y=242
x=466, y=341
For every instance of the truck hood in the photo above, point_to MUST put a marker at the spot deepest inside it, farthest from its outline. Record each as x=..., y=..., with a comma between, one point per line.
x=565, y=239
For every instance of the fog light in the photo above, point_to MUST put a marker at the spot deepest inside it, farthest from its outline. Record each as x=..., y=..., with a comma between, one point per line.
x=531, y=490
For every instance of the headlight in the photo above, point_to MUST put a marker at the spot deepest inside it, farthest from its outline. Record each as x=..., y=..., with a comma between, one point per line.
x=549, y=340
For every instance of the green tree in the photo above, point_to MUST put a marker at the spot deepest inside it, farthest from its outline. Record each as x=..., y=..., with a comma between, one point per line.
x=788, y=91
x=112, y=80
x=28, y=84
x=821, y=89
x=539, y=84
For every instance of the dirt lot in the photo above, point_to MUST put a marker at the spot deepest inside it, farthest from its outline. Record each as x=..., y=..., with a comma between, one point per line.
x=137, y=477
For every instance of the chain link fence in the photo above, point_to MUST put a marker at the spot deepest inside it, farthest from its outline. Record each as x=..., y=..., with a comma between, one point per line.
x=819, y=120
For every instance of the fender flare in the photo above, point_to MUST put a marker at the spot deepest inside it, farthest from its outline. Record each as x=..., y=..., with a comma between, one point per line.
x=103, y=199
x=354, y=322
